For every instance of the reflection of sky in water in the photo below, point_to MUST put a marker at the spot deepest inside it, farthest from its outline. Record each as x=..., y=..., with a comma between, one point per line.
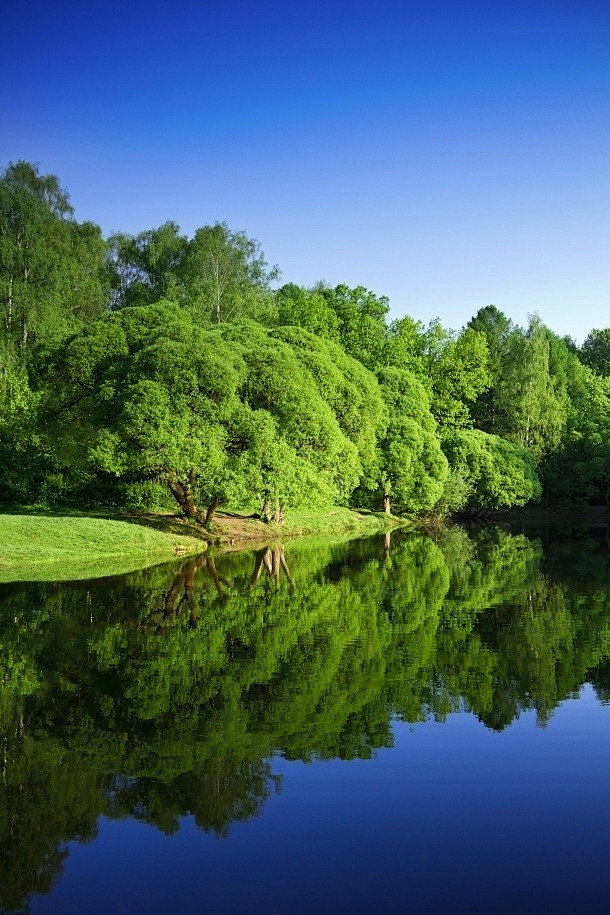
x=454, y=817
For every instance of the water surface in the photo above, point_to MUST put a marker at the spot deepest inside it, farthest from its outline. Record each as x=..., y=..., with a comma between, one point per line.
x=389, y=725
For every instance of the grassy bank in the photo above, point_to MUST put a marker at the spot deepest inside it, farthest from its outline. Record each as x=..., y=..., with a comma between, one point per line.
x=238, y=528
x=59, y=546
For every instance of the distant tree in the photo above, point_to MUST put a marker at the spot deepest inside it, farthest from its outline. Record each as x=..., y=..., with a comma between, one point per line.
x=497, y=330
x=51, y=267
x=405, y=346
x=149, y=266
x=219, y=275
x=455, y=372
x=309, y=309
x=228, y=276
x=361, y=321
x=577, y=472
x=532, y=407
x=595, y=351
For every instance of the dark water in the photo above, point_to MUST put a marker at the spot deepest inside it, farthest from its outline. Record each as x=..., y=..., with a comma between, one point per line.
x=414, y=726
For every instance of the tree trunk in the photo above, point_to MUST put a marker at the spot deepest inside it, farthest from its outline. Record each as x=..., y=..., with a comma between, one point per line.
x=386, y=504
x=209, y=515
x=183, y=494
x=9, y=314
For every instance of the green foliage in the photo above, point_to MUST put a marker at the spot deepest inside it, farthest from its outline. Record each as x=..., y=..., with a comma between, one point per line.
x=578, y=471
x=350, y=390
x=531, y=404
x=405, y=347
x=497, y=330
x=219, y=275
x=309, y=309
x=459, y=374
x=234, y=414
x=595, y=351
x=496, y=473
x=413, y=467
x=361, y=320
x=158, y=357
x=51, y=267
x=147, y=267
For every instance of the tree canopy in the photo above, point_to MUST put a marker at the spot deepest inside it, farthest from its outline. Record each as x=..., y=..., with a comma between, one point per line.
x=137, y=359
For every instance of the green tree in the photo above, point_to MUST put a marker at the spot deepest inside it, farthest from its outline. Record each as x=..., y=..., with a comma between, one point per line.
x=51, y=267
x=228, y=276
x=361, y=315
x=405, y=347
x=309, y=309
x=231, y=414
x=577, y=472
x=149, y=266
x=52, y=280
x=497, y=330
x=413, y=467
x=219, y=275
x=496, y=473
x=531, y=403
x=454, y=368
x=595, y=351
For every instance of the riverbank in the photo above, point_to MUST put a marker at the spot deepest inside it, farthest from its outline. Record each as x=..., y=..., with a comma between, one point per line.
x=61, y=545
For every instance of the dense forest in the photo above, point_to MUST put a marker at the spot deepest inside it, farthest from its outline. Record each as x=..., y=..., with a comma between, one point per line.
x=146, y=370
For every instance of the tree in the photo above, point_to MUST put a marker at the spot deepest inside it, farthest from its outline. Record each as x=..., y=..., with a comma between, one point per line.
x=148, y=267
x=219, y=275
x=458, y=373
x=361, y=316
x=577, y=472
x=227, y=414
x=497, y=330
x=294, y=376
x=228, y=276
x=309, y=309
x=51, y=267
x=52, y=280
x=532, y=408
x=595, y=351
x=452, y=367
x=143, y=393
x=405, y=346
x=498, y=474
x=349, y=389
x=413, y=468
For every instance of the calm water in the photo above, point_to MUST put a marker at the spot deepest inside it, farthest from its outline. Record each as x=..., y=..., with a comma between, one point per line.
x=419, y=725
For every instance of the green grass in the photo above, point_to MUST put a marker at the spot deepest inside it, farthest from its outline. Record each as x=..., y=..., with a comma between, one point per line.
x=56, y=546
x=337, y=520
x=61, y=546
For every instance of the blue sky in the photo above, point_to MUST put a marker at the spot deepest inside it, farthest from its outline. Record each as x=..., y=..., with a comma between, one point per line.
x=448, y=154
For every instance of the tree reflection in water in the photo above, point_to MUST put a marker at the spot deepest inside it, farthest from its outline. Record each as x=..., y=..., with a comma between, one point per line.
x=166, y=692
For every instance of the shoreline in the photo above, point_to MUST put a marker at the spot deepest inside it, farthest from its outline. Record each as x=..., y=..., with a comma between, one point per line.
x=63, y=545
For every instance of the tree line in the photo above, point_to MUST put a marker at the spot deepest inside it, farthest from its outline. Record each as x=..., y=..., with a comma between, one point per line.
x=140, y=368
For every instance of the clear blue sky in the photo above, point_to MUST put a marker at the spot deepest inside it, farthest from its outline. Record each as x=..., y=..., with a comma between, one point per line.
x=447, y=153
